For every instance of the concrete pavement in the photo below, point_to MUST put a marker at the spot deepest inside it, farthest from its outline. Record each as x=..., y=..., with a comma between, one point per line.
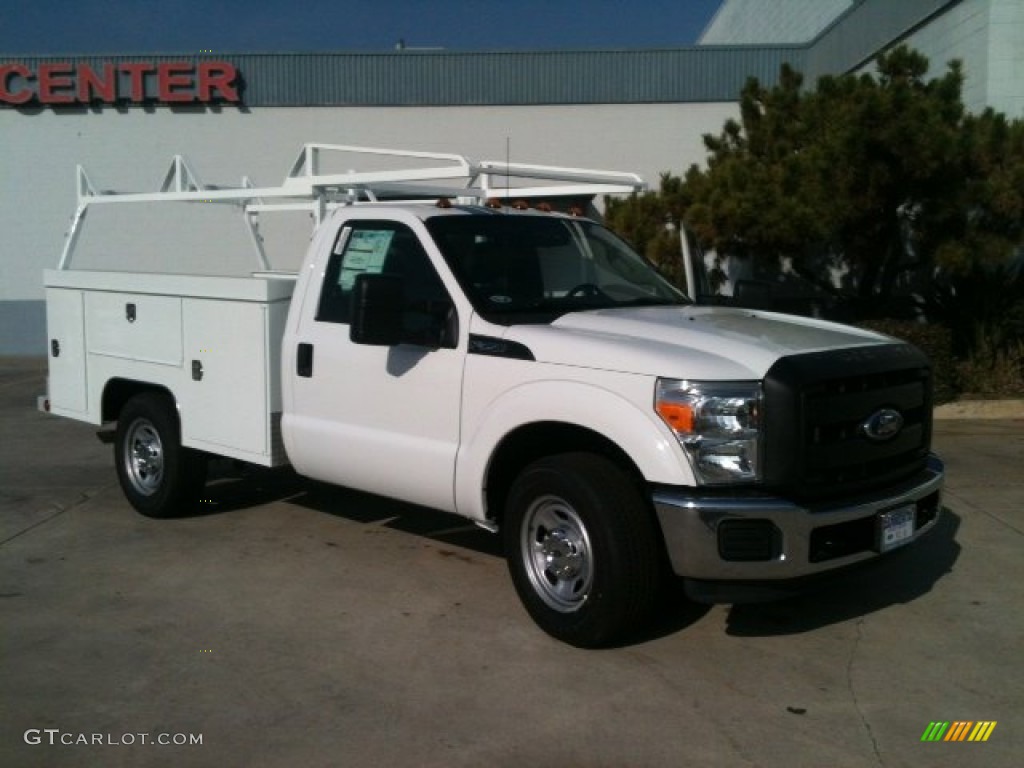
x=297, y=625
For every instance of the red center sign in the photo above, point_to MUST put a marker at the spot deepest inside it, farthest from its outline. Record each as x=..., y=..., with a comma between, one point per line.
x=175, y=82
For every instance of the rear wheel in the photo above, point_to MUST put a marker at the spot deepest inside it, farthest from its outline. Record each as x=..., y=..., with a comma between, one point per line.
x=158, y=476
x=582, y=549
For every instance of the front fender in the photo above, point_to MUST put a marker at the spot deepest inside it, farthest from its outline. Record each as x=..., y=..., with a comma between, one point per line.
x=612, y=413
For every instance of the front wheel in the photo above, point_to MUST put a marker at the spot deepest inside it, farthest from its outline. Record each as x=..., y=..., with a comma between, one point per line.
x=582, y=549
x=158, y=476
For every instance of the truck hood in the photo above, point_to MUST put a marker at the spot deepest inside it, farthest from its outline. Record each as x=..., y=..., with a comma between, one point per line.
x=688, y=342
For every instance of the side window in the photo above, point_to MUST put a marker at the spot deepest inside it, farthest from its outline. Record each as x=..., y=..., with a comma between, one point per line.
x=384, y=247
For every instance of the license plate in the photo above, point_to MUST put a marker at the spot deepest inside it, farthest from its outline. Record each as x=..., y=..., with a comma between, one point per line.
x=895, y=527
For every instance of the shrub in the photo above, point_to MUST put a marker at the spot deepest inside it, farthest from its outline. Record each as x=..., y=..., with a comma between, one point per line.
x=995, y=366
x=936, y=342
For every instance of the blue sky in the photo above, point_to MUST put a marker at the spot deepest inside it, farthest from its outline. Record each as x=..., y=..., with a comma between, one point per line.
x=39, y=27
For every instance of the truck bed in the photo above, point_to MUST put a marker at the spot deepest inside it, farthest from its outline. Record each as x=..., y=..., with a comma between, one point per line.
x=213, y=342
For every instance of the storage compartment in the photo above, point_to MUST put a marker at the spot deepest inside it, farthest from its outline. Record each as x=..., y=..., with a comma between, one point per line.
x=65, y=338
x=213, y=343
x=231, y=396
x=134, y=326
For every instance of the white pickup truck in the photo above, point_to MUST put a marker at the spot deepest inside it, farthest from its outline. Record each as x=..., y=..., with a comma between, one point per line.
x=519, y=367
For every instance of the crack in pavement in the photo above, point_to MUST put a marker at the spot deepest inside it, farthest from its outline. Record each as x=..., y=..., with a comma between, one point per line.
x=853, y=693
x=60, y=510
x=684, y=692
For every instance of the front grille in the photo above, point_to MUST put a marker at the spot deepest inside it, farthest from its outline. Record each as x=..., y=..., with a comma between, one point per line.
x=816, y=406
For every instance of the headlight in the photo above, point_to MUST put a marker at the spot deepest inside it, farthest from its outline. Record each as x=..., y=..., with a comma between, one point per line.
x=718, y=424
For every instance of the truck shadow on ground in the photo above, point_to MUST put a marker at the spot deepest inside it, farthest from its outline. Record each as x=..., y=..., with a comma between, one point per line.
x=234, y=487
x=901, y=577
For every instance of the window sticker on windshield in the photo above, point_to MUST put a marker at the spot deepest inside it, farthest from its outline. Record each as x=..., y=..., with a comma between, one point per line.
x=364, y=254
x=500, y=299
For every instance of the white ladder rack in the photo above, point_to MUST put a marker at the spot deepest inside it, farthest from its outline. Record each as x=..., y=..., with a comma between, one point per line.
x=306, y=188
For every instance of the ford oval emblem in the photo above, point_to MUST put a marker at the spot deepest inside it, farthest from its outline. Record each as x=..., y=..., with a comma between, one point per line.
x=883, y=425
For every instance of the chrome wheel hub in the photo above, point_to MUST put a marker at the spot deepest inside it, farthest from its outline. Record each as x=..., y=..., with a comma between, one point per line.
x=144, y=457
x=556, y=551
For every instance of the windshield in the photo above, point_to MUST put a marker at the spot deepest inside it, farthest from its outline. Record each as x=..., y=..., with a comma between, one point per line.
x=533, y=269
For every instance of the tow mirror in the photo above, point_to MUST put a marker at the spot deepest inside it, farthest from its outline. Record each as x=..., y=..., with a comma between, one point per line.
x=377, y=304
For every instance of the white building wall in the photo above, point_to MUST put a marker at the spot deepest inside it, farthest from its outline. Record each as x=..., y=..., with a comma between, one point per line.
x=987, y=36
x=1006, y=57
x=131, y=149
x=962, y=33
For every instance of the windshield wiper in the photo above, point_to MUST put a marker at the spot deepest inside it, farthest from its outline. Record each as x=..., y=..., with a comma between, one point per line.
x=652, y=302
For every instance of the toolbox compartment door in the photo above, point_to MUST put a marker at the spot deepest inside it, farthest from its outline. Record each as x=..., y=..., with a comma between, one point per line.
x=65, y=339
x=134, y=326
x=226, y=399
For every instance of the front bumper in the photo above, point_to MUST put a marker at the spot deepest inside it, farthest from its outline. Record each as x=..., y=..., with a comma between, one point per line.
x=714, y=538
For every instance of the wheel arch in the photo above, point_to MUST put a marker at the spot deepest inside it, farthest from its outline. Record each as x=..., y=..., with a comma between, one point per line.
x=540, y=418
x=530, y=442
x=118, y=391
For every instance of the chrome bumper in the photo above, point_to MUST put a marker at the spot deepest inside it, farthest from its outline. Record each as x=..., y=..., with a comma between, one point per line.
x=691, y=522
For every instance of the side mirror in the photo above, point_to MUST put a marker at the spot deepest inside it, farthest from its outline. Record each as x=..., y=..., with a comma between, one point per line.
x=377, y=305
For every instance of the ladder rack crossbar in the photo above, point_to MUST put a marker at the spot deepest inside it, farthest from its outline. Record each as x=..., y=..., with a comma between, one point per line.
x=307, y=189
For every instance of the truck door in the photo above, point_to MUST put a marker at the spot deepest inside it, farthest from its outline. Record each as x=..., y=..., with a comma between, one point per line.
x=381, y=419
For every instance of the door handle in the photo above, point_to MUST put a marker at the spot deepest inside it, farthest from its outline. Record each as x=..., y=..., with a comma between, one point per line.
x=304, y=361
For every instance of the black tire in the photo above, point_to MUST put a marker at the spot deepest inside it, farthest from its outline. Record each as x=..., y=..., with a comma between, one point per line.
x=582, y=549
x=158, y=476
